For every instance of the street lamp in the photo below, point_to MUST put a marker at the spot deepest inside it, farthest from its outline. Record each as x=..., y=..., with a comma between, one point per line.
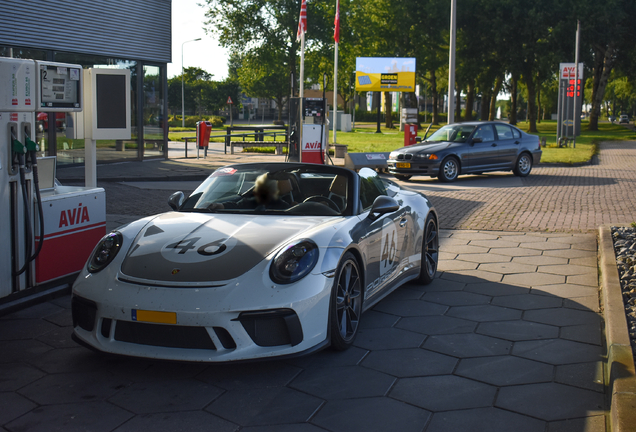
x=182, y=84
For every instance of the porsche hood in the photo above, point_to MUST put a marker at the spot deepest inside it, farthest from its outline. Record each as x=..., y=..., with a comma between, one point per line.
x=195, y=247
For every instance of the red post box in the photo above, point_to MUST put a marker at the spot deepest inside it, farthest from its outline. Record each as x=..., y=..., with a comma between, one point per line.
x=410, y=133
x=203, y=136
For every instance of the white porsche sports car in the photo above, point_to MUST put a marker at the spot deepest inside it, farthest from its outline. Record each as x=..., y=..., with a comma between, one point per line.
x=261, y=260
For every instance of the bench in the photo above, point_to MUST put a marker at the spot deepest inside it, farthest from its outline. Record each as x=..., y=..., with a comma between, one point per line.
x=277, y=144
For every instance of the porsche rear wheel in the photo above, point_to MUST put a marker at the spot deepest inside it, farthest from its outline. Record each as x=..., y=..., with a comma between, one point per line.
x=430, y=251
x=346, y=303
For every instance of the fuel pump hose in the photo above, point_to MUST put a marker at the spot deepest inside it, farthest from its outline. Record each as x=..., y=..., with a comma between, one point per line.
x=19, y=149
x=32, y=149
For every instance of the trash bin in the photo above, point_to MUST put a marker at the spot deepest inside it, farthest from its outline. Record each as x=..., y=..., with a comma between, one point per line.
x=410, y=133
x=341, y=149
x=203, y=136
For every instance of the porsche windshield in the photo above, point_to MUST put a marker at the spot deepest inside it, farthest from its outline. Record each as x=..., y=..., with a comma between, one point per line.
x=452, y=133
x=288, y=189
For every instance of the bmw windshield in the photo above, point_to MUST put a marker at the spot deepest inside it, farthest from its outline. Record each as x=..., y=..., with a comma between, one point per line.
x=452, y=133
x=288, y=189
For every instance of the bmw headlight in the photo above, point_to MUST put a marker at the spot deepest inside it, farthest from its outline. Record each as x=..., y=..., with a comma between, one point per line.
x=105, y=251
x=430, y=156
x=294, y=262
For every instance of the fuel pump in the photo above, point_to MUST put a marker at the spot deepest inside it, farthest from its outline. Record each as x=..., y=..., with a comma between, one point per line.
x=309, y=129
x=27, y=86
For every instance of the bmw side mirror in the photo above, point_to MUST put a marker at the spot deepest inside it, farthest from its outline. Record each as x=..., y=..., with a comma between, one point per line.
x=383, y=205
x=175, y=200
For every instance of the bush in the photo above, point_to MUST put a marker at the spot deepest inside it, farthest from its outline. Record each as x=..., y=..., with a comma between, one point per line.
x=191, y=121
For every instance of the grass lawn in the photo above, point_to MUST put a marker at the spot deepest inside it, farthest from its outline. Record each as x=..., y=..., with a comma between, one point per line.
x=364, y=139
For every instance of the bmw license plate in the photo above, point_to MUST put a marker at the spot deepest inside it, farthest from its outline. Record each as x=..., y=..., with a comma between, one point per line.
x=154, y=316
x=403, y=165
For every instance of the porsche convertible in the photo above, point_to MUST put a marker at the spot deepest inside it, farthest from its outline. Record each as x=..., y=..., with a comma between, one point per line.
x=261, y=260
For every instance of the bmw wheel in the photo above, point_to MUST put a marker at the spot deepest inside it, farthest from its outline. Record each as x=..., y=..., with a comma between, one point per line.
x=449, y=169
x=346, y=303
x=430, y=251
x=523, y=166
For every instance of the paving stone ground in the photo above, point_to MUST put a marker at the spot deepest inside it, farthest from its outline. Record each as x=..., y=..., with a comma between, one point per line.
x=507, y=337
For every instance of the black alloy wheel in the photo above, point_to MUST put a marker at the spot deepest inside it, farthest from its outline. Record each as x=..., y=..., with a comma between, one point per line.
x=430, y=251
x=346, y=303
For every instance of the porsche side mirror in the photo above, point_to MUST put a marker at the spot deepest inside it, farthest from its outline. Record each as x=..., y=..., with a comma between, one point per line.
x=418, y=139
x=175, y=200
x=477, y=140
x=383, y=205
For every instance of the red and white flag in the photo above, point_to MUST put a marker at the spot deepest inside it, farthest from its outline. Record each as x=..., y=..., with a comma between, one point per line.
x=336, y=23
x=302, y=22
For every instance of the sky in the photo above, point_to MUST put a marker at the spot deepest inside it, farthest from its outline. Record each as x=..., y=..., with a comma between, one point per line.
x=187, y=24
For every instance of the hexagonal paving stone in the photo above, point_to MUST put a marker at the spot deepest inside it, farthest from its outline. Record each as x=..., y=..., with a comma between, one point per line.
x=443, y=393
x=37, y=311
x=375, y=319
x=528, y=301
x=16, y=375
x=143, y=370
x=467, y=345
x=439, y=285
x=592, y=423
x=76, y=417
x=475, y=236
x=533, y=279
x=297, y=427
x=435, y=325
x=518, y=330
x=455, y=265
x=496, y=289
x=492, y=244
x=457, y=249
x=388, y=338
x=13, y=406
x=527, y=238
x=540, y=260
x=63, y=318
x=343, y=382
x=557, y=351
x=252, y=375
x=446, y=256
x=410, y=362
x=456, y=298
x=471, y=276
x=77, y=359
x=330, y=358
x=566, y=270
x=371, y=414
x=584, y=375
x=550, y=401
x=586, y=333
x=452, y=241
x=410, y=308
x=274, y=405
x=588, y=303
x=73, y=387
x=18, y=351
x=59, y=338
x=575, y=239
x=192, y=421
x=15, y=329
x=484, y=313
x=505, y=370
x=483, y=258
x=483, y=420
x=404, y=293
x=562, y=317
x=566, y=290
x=590, y=279
x=166, y=396
x=508, y=268
x=585, y=261
x=544, y=246
x=516, y=252
x=570, y=253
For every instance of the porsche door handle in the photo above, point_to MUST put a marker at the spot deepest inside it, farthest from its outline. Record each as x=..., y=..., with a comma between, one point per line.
x=403, y=222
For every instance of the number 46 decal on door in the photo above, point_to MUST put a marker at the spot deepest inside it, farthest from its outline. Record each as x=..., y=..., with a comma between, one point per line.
x=388, y=247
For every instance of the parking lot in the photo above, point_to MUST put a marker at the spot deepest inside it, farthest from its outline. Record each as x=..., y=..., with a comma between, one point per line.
x=508, y=337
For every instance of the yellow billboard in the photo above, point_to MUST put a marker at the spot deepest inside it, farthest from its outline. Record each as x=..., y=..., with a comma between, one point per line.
x=385, y=74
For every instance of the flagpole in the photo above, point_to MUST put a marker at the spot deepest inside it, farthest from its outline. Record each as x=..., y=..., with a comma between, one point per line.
x=302, y=64
x=335, y=76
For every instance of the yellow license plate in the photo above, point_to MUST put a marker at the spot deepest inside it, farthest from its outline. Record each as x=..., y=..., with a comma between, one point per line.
x=403, y=165
x=154, y=316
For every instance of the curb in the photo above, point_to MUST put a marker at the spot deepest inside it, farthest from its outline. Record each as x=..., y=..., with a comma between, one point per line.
x=620, y=374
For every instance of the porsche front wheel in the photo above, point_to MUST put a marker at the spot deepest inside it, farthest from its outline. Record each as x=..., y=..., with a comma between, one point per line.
x=346, y=303
x=430, y=251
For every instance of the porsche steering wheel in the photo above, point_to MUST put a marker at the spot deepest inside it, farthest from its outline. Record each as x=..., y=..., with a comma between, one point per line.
x=323, y=200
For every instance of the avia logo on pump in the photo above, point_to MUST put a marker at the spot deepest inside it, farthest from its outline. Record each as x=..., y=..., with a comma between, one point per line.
x=74, y=216
x=315, y=146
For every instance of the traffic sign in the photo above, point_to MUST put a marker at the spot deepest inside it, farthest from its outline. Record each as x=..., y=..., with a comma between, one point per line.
x=229, y=100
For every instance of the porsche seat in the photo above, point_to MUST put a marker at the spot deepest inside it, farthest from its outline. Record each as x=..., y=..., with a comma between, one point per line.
x=338, y=191
x=285, y=192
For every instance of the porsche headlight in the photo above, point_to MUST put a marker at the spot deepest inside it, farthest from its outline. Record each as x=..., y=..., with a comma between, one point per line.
x=105, y=251
x=294, y=262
